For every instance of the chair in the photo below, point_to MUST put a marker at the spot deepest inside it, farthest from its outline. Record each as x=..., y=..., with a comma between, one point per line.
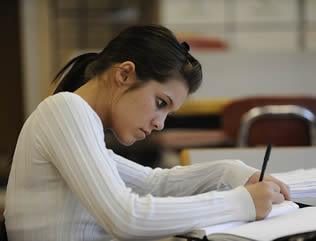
x=285, y=120
x=269, y=112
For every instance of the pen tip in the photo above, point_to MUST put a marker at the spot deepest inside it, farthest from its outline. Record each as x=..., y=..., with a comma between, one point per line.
x=268, y=150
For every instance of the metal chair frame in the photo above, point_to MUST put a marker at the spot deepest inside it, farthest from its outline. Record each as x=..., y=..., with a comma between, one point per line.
x=275, y=111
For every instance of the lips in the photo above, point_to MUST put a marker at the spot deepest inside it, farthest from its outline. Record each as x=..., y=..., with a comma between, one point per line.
x=147, y=133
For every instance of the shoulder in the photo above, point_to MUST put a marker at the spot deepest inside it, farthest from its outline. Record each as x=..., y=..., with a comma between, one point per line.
x=65, y=101
x=64, y=98
x=68, y=105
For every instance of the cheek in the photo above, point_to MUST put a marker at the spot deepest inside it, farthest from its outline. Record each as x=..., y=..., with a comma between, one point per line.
x=134, y=112
x=148, y=110
x=130, y=116
x=144, y=106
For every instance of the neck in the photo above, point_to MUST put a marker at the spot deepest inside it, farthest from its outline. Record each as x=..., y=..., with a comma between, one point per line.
x=97, y=95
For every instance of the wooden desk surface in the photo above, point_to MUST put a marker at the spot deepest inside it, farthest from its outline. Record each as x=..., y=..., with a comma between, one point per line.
x=203, y=106
x=281, y=158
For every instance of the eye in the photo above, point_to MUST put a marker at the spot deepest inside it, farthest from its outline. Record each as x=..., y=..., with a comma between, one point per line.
x=161, y=103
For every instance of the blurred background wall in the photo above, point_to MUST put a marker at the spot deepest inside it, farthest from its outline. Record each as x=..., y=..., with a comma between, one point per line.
x=246, y=47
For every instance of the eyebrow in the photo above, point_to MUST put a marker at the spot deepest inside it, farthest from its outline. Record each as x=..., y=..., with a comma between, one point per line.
x=171, y=103
x=170, y=100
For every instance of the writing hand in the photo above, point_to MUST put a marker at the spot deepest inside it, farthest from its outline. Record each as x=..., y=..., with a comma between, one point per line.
x=284, y=188
x=264, y=194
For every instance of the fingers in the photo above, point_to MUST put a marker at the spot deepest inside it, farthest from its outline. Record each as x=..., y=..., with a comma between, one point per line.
x=277, y=196
x=284, y=189
x=275, y=187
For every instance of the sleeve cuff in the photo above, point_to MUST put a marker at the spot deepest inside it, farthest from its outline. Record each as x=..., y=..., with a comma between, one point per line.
x=242, y=204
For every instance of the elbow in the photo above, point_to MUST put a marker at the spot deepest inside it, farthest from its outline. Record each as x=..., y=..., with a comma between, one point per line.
x=128, y=233
x=129, y=226
x=131, y=220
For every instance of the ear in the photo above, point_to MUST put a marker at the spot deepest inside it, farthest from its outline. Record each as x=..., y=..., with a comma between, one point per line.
x=125, y=73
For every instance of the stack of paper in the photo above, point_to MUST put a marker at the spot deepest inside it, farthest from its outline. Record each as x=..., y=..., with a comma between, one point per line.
x=302, y=182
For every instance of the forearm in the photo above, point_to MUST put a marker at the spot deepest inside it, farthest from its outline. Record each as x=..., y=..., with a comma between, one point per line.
x=183, y=181
x=151, y=217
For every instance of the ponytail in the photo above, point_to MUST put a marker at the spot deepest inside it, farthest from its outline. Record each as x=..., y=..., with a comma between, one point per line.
x=76, y=77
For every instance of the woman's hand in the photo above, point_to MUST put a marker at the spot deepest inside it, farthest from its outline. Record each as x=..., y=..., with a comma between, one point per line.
x=264, y=194
x=284, y=188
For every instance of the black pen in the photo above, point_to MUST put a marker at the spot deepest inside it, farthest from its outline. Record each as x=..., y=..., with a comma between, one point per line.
x=265, y=161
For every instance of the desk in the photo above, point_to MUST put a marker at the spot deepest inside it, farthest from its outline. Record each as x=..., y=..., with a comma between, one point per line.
x=203, y=106
x=282, y=159
x=195, y=124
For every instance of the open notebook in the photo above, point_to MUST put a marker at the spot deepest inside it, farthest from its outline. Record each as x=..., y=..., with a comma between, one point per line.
x=284, y=219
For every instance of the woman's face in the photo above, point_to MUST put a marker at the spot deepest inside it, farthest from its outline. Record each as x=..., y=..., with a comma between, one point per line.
x=140, y=111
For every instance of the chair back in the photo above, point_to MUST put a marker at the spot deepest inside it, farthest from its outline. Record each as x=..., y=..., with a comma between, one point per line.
x=285, y=120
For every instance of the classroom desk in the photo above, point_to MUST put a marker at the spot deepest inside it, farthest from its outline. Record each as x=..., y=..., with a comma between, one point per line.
x=203, y=106
x=196, y=124
x=282, y=159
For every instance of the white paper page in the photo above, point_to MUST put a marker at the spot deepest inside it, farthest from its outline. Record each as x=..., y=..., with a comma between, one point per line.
x=277, y=209
x=298, y=221
x=284, y=207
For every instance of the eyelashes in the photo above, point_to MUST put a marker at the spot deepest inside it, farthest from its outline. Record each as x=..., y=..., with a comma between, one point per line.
x=161, y=103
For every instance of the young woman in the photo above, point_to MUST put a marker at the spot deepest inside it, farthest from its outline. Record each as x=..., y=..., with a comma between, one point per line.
x=66, y=185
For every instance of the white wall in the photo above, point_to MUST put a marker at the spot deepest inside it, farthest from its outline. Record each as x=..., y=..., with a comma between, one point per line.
x=265, y=54
x=234, y=74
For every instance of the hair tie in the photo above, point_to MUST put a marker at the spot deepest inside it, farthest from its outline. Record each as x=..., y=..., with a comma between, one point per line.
x=186, y=46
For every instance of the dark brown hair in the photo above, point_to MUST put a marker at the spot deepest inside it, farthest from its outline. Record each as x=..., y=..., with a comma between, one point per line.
x=153, y=49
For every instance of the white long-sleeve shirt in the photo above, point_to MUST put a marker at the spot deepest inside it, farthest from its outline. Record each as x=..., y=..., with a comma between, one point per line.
x=65, y=185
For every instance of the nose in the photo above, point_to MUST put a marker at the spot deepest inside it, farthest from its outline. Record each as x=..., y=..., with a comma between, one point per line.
x=158, y=122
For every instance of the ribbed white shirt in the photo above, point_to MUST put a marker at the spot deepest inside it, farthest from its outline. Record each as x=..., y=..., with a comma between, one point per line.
x=65, y=185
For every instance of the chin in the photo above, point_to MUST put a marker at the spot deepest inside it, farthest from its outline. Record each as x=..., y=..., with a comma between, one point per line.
x=125, y=142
